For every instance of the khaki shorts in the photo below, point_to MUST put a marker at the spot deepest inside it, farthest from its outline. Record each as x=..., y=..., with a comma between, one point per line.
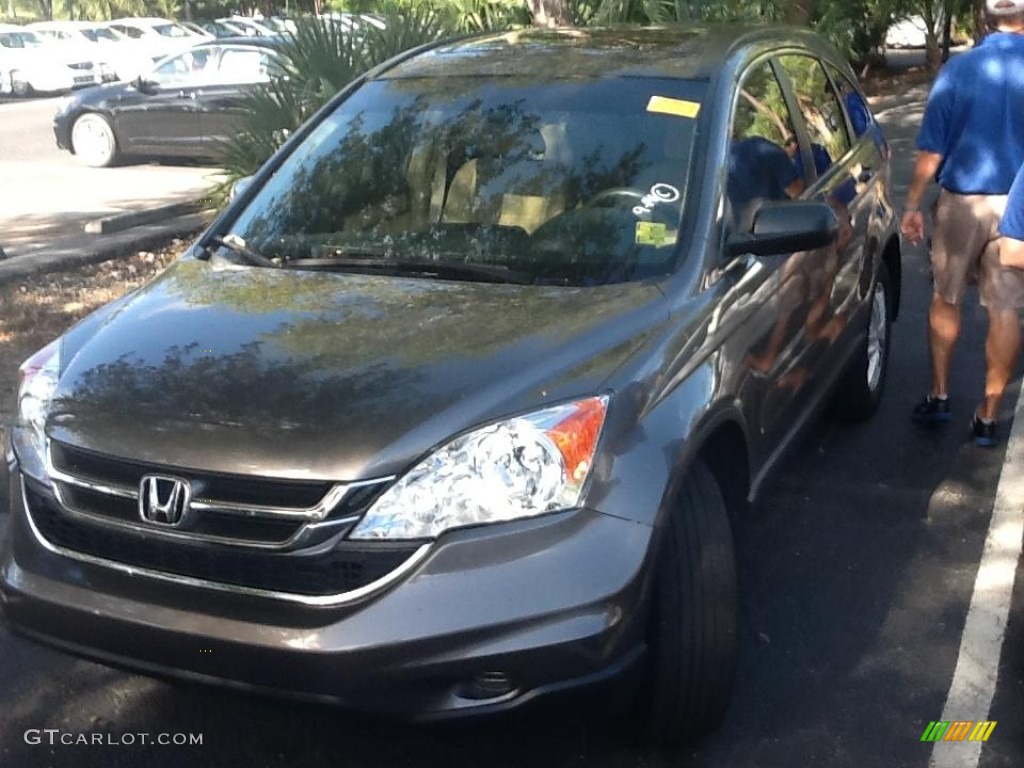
x=965, y=244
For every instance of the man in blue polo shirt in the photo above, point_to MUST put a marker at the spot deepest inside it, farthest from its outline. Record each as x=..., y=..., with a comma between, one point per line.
x=972, y=141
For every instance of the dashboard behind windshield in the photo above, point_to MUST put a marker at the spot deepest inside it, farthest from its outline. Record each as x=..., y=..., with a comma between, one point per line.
x=573, y=182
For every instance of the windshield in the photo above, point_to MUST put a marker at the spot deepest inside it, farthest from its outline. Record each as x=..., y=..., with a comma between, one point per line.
x=19, y=40
x=171, y=30
x=574, y=182
x=99, y=34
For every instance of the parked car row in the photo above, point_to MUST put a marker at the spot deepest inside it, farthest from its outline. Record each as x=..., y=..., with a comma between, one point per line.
x=52, y=56
x=27, y=65
x=182, y=106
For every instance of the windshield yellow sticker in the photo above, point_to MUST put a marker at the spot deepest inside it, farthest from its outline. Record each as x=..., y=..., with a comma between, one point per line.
x=651, y=233
x=678, y=107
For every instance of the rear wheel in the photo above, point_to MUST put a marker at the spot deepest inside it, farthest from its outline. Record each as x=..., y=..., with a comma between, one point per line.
x=93, y=141
x=860, y=393
x=692, y=634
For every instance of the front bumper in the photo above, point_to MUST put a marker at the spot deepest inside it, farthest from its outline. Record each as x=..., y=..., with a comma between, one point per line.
x=489, y=620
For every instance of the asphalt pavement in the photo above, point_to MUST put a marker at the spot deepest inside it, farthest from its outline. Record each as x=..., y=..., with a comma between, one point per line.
x=859, y=565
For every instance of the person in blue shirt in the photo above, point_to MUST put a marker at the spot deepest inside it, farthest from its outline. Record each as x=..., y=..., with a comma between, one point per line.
x=972, y=141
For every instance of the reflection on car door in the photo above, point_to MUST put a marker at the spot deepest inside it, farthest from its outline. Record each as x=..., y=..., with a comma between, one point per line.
x=768, y=301
x=165, y=117
x=836, y=172
x=220, y=101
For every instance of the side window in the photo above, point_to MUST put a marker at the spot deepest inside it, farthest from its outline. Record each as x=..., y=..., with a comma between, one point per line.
x=821, y=109
x=190, y=67
x=856, y=107
x=761, y=164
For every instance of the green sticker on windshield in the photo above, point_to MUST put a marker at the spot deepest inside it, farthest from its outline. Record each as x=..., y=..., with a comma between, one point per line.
x=651, y=233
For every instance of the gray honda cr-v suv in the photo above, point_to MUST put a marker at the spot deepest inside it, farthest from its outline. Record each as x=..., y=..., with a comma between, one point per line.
x=448, y=410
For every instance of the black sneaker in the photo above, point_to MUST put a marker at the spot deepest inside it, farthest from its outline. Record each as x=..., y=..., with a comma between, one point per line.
x=984, y=432
x=931, y=410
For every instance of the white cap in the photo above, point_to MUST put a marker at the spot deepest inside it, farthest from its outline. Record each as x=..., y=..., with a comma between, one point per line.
x=1004, y=7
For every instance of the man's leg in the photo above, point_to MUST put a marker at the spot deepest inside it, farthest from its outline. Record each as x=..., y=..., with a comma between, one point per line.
x=1002, y=346
x=943, y=330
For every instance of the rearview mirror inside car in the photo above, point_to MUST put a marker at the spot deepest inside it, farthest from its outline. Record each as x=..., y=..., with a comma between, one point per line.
x=786, y=227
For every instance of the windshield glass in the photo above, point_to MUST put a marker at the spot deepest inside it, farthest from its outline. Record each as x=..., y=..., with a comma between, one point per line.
x=574, y=182
x=19, y=40
x=99, y=34
x=171, y=30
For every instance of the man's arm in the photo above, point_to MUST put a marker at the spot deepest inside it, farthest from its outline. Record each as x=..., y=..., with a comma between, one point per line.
x=925, y=168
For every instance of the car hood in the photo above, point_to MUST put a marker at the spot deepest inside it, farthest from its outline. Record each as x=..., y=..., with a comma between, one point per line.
x=94, y=96
x=330, y=376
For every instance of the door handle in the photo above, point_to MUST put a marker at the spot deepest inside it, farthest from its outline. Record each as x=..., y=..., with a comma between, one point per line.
x=866, y=175
x=187, y=94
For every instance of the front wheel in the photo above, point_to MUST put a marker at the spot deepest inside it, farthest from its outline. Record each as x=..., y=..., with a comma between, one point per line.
x=692, y=633
x=93, y=141
x=860, y=393
x=20, y=86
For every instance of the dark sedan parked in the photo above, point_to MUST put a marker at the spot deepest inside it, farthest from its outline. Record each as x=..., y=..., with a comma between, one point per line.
x=453, y=408
x=182, y=108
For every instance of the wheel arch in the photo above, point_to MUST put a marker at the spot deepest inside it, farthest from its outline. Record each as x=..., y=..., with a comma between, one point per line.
x=892, y=259
x=721, y=443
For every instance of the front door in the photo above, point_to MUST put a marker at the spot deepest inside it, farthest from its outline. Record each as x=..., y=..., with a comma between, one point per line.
x=162, y=117
x=837, y=173
x=774, y=294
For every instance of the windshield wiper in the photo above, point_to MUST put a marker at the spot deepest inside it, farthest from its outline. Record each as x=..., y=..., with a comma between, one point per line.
x=235, y=245
x=442, y=269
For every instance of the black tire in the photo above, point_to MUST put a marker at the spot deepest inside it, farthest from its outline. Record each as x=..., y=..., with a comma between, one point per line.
x=19, y=87
x=860, y=392
x=93, y=140
x=692, y=635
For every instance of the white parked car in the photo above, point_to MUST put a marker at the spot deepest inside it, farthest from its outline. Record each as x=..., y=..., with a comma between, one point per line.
x=115, y=56
x=907, y=33
x=162, y=37
x=28, y=64
x=250, y=27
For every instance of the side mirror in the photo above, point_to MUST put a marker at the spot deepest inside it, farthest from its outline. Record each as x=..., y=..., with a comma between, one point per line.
x=787, y=227
x=142, y=85
x=239, y=187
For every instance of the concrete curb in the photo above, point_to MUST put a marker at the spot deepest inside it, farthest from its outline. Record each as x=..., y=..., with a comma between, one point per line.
x=121, y=221
x=90, y=249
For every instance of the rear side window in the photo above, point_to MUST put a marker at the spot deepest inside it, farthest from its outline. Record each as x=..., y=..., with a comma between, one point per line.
x=861, y=119
x=821, y=110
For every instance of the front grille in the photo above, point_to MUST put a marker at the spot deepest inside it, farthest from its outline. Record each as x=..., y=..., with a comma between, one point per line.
x=84, y=79
x=233, y=509
x=344, y=567
x=282, y=536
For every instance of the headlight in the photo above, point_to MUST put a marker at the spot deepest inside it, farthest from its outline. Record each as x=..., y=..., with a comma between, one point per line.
x=520, y=467
x=37, y=382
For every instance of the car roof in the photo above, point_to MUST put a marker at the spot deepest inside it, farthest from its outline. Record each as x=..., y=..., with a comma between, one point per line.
x=269, y=41
x=65, y=24
x=692, y=52
x=146, y=20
